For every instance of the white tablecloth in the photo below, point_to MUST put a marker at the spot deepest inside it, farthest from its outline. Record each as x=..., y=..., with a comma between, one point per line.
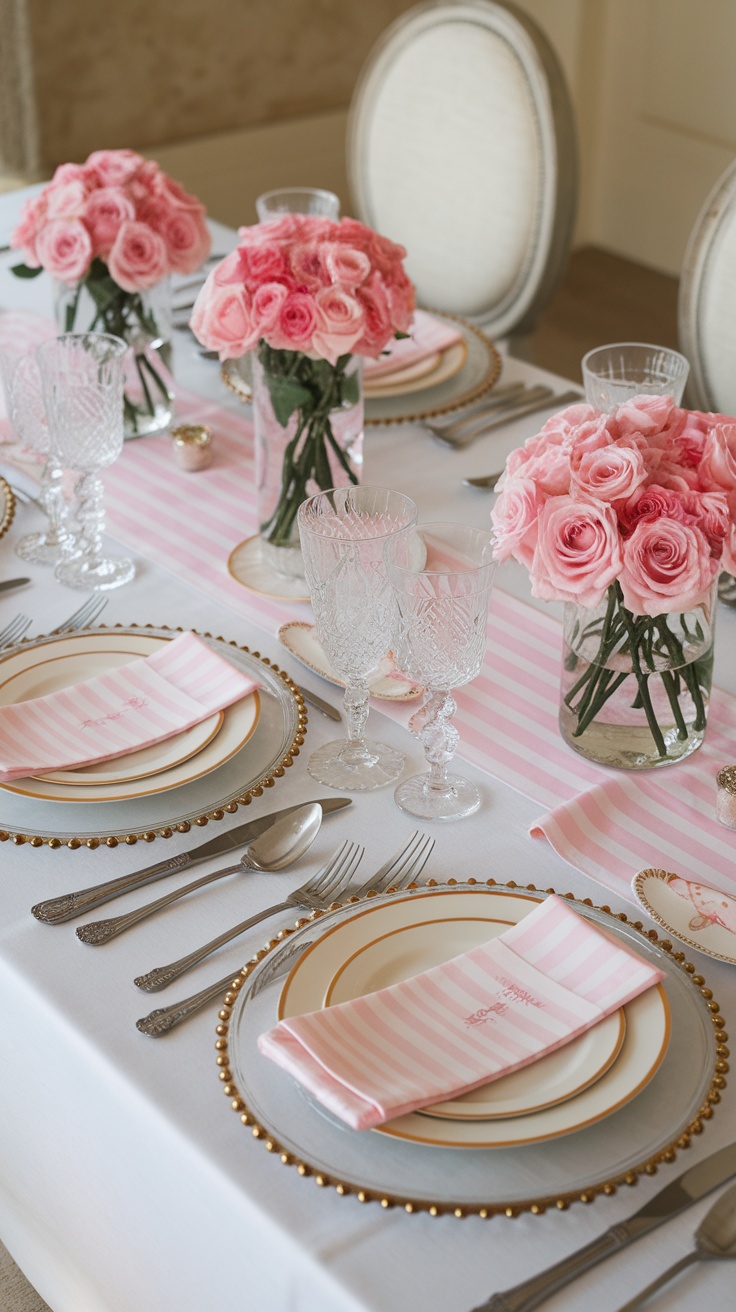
x=126, y=1182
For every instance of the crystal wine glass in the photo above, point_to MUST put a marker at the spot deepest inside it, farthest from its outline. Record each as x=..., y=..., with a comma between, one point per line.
x=21, y=379
x=82, y=377
x=441, y=575
x=343, y=532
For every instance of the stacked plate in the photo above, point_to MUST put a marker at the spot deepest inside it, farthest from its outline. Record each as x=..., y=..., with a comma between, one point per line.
x=182, y=778
x=584, y=1116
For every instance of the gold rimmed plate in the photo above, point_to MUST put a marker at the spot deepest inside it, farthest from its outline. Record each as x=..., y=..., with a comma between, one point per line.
x=678, y=1101
x=383, y=944
x=301, y=640
x=697, y=914
x=36, y=671
x=439, y=368
x=219, y=791
x=7, y=506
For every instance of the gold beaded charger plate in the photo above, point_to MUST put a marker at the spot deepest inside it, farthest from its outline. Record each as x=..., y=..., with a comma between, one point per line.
x=266, y=749
x=7, y=507
x=34, y=672
x=674, y=1105
x=592, y=1076
x=477, y=374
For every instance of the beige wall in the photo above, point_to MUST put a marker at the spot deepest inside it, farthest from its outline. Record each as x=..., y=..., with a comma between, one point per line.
x=150, y=72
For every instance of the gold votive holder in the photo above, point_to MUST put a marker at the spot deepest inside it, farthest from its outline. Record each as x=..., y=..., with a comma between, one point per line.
x=192, y=444
x=726, y=796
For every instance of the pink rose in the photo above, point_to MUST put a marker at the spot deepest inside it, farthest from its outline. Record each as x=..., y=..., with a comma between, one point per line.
x=611, y=473
x=187, y=239
x=138, y=258
x=112, y=168
x=667, y=567
x=567, y=421
x=650, y=503
x=261, y=263
x=268, y=300
x=514, y=519
x=717, y=467
x=307, y=266
x=550, y=470
x=222, y=320
x=578, y=552
x=643, y=414
x=32, y=219
x=70, y=173
x=339, y=323
x=377, y=326
x=296, y=323
x=228, y=271
x=345, y=264
x=66, y=200
x=710, y=511
x=105, y=212
x=64, y=249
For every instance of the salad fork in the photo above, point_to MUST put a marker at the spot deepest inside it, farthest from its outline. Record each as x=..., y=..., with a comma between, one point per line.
x=13, y=632
x=87, y=613
x=399, y=871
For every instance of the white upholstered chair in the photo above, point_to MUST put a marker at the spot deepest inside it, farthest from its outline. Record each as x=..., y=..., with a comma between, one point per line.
x=707, y=301
x=461, y=146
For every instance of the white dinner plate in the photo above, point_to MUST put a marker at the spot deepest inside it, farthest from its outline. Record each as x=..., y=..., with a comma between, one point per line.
x=301, y=640
x=485, y=913
x=694, y=913
x=33, y=671
x=400, y=953
x=437, y=369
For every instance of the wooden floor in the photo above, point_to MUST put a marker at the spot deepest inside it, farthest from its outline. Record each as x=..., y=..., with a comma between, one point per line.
x=604, y=298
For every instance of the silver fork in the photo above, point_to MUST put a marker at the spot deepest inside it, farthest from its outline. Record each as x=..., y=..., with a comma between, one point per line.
x=398, y=872
x=87, y=613
x=463, y=436
x=13, y=632
x=319, y=891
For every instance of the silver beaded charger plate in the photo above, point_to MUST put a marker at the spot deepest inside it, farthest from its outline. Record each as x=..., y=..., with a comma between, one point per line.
x=675, y=1104
x=258, y=764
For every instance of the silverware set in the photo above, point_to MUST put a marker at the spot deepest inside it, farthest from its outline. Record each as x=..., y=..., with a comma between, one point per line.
x=505, y=405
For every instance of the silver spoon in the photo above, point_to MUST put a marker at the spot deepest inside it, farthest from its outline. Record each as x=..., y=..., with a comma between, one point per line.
x=715, y=1239
x=277, y=848
x=484, y=480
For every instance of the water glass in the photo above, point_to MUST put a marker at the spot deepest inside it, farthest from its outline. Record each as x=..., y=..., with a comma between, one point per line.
x=82, y=376
x=613, y=374
x=441, y=575
x=343, y=533
x=21, y=378
x=297, y=200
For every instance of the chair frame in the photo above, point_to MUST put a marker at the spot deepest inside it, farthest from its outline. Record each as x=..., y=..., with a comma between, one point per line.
x=696, y=267
x=548, y=251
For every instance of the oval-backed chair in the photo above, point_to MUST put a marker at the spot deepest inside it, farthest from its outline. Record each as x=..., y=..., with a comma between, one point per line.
x=707, y=301
x=462, y=146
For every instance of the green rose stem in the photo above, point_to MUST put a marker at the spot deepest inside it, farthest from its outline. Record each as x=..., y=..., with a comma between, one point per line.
x=311, y=390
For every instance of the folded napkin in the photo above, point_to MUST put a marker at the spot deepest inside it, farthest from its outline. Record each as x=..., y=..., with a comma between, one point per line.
x=471, y=1020
x=427, y=336
x=133, y=706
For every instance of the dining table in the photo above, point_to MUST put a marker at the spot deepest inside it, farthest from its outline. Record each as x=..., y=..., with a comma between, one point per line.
x=127, y=1180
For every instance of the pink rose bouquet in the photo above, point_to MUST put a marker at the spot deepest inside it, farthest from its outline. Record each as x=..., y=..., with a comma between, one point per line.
x=115, y=226
x=308, y=295
x=631, y=515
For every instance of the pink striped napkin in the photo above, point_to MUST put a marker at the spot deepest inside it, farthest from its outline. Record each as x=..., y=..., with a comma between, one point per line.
x=465, y=1023
x=427, y=336
x=134, y=706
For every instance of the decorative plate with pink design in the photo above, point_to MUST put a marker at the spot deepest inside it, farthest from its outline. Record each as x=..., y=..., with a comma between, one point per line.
x=695, y=913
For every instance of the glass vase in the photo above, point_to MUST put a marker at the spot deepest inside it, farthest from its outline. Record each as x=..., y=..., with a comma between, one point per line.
x=143, y=320
x=308, y=417
x=635, y=688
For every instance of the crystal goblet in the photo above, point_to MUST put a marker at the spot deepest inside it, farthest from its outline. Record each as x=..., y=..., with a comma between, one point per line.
x=343, y=532
x=613, y=374
x=21, y=379
x=82, y=377
x=441, y=575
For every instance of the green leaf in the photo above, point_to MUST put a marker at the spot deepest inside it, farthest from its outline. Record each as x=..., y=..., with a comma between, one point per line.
x=287, y=396
x=24, y=271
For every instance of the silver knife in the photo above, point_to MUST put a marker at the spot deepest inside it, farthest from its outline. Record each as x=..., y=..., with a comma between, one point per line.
x=688, y=1188
x=56, y=910
x=8, y=584
x=331, y=712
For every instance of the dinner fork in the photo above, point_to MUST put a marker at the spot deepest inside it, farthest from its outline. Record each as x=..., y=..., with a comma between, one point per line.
x=463, y=435
x=399, y=871
x=13, y=632
x=86, y=614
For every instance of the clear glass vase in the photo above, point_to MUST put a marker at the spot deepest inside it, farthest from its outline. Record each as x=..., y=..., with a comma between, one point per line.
x=143, y=320
x=635, y=688
x=308, y=417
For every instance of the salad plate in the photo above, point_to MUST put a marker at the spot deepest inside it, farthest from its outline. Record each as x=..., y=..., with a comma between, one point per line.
x=387, y=682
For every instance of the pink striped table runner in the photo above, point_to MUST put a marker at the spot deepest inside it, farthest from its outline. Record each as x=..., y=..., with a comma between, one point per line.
x=607, y=823
x=136, y=705
x=464, y=1023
